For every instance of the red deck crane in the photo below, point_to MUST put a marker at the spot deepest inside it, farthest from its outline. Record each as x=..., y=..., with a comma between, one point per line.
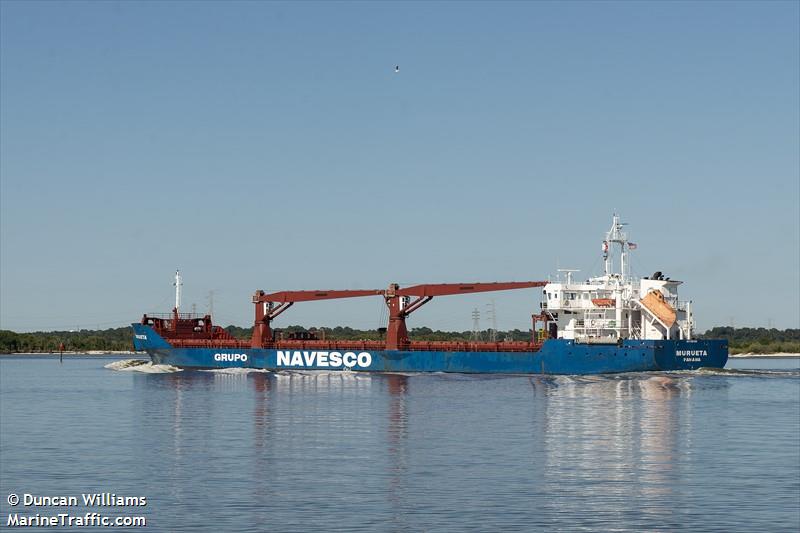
x=269, y=306
x=397, y=333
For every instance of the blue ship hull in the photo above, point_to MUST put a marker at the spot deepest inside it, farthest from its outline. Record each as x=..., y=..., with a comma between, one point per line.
x=557, y=356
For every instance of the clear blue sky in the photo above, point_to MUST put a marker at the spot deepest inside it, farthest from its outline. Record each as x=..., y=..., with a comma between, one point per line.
x=271, y=145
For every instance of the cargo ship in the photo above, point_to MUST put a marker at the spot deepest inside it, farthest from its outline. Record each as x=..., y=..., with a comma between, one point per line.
x=605, y=324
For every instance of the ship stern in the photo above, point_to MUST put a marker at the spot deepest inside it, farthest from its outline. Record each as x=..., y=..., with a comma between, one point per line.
x=691, y=354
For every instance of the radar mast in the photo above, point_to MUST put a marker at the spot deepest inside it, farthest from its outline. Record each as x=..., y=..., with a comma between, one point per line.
x=616, y=236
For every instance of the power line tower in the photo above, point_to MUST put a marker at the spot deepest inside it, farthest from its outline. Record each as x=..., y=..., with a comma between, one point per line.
x=476, y=325
x=492, y=316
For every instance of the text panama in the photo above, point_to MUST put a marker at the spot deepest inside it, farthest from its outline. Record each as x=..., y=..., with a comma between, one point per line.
x=324, y=359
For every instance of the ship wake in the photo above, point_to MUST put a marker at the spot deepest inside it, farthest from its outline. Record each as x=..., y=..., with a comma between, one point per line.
x=139, y=365
x=237, y=371
x=734, y=372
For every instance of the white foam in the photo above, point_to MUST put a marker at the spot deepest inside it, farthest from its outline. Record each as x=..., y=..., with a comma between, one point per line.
x=236, y=371
x=314, y=374
x=138, y=365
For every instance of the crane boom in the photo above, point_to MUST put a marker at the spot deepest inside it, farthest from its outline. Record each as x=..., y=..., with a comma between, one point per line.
x=309, y=296
x=444, y=289
x=270, y=305
x=400, y=307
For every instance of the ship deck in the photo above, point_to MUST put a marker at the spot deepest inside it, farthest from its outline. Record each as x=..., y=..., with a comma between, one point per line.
x=364, y=345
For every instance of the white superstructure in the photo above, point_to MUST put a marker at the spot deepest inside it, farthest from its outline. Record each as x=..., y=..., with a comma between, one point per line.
x=615, y=306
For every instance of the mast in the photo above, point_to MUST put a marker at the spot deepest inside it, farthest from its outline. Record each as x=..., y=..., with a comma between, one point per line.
x=616, y=236
x=177, y=290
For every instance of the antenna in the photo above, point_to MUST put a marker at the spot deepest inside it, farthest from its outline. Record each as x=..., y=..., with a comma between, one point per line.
x=616, y=236
x=211, y=302
x=178, y=284
x=569, y=272
x=476, y=325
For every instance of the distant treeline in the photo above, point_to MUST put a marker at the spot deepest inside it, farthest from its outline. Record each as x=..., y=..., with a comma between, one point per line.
x=742, y=340
x=757, y=340
x=115, y=339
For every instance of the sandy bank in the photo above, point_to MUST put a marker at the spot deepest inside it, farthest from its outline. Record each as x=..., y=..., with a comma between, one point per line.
x=754, y=355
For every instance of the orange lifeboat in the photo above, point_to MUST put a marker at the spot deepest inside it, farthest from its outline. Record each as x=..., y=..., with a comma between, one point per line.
x=655, y=303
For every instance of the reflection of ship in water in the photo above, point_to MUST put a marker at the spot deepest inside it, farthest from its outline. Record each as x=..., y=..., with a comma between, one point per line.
x=620, y=436
x=397, y=386
x=167, y=400
x=272, y=420
x=604, y=448
x=397, y=439
x=262, y=385
x=207, y=414
x=662, y=413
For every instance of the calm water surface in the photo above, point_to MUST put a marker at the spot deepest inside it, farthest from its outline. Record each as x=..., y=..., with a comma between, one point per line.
x=234, y=451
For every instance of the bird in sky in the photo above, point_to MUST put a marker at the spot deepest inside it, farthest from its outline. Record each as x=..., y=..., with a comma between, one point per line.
x=396, y=69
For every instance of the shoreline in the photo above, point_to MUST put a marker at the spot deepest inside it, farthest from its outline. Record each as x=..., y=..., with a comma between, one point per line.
x=89, y=352
x=757, y=355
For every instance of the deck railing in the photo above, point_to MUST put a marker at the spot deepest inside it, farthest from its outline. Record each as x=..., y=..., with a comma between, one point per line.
x=363, y=346
x=170, y=316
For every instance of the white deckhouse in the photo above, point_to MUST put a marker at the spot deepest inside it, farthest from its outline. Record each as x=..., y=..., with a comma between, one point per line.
x=614, y=306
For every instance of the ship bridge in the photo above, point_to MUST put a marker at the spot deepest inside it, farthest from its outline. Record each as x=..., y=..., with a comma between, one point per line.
x=616, y=306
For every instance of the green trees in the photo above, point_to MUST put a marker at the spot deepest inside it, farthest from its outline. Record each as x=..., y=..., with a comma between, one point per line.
x=757, y=340
x=9, y=342
x=116, y=339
